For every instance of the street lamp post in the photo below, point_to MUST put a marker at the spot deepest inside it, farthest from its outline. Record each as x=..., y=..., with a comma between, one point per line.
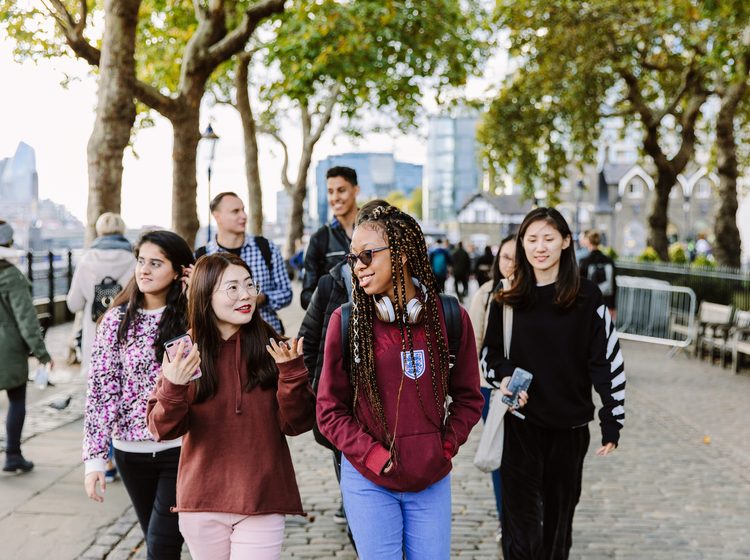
x=212, y=139
x=578, y=196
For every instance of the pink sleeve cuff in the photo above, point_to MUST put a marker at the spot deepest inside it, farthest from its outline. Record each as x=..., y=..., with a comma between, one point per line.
x=377, y=458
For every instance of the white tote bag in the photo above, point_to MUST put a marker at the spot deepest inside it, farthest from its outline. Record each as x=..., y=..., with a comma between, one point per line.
x=490, y=450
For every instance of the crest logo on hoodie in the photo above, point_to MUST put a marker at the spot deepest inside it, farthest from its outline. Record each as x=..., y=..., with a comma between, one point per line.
x=416, y=369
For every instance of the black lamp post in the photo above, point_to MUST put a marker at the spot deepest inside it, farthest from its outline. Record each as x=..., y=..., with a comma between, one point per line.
x=212, y=139
x=578, y=196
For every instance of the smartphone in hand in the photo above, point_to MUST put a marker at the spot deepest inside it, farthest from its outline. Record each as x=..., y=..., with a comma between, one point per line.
x=170, y=347
x=519, y=381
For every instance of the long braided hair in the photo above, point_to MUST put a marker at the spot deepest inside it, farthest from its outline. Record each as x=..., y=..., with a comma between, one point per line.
x=404, y=238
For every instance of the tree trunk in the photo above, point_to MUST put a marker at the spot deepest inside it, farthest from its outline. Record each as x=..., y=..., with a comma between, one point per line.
x=115, y=110
x=657, y=216
x=727, y=245
x=186, y=133
x=250, y=136
x=299, y=193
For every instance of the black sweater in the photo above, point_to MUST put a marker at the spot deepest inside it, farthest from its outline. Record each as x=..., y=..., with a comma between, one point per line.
x=567, y=352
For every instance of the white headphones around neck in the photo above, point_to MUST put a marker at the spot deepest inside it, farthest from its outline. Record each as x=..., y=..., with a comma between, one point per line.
x=386, y=312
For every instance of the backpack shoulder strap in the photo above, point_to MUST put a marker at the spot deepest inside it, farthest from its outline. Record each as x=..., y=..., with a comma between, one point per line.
x=346, y=313
x=265, y=250
x=452, y=315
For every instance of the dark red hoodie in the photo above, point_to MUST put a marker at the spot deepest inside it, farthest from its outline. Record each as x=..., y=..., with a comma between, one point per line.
x=424, y=443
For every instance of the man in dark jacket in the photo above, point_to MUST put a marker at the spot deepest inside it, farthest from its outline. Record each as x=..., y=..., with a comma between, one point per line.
x=600, y=269
x=329, y=245
x=334, y=289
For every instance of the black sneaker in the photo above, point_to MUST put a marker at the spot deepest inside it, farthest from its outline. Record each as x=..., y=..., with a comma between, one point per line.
x=16, y=462
x=340, y=516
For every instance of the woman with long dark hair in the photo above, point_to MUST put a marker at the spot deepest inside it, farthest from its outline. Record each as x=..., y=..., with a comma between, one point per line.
x=383, y=398
x=564, y=336
x=236, y=479
x=502, y=268
x=125, y=363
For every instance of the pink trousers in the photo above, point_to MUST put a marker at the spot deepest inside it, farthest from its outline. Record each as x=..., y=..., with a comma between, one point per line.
x=229, y=536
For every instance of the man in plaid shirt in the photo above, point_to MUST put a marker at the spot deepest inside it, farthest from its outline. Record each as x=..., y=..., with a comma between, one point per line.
x=231, y=219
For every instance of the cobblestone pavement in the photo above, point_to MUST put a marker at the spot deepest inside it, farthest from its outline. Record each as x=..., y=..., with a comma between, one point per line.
x=677, y=487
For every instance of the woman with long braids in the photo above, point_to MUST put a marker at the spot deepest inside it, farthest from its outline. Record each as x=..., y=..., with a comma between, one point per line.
x=384, y=399
x=125, y=363
x=236, y=479
x=564, y=336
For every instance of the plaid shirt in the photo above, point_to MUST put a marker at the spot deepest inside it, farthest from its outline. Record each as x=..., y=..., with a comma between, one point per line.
x=274, y=283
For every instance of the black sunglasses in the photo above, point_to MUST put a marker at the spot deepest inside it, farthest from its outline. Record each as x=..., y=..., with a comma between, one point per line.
x=365, y=257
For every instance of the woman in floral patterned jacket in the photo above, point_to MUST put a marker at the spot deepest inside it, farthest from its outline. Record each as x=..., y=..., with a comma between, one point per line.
x=125, y=363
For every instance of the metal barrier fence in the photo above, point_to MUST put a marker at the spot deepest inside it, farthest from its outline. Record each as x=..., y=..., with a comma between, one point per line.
x=650, y=310
x=729, y=286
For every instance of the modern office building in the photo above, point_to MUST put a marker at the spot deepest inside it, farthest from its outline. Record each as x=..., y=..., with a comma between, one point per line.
x=378, y=175
x=38, y=225
x=453, y=170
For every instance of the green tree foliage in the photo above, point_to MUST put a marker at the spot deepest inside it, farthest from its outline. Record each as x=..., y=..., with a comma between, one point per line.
x=348, y=58
x=582, y=63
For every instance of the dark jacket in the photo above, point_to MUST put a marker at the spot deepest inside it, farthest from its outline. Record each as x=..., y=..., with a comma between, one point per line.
x=328, y=246
x=20, y=333
x=331, y=294
x=461, y=263
x=568, y=351
x=603, y=276
x=425, y=439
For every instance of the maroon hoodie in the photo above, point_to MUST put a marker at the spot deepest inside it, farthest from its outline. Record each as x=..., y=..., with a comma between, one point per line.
x=424, y=443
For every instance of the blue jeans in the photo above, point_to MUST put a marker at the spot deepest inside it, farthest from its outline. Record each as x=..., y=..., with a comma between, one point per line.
x=496, y=484
x=390, y=525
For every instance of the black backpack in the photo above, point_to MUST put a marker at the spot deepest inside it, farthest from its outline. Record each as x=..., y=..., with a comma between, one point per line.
x=104, y=293
x=452, y=316
x=603, y=275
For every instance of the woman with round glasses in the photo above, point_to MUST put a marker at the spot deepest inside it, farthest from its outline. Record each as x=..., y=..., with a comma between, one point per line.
x=236, y=480
x=389, y=399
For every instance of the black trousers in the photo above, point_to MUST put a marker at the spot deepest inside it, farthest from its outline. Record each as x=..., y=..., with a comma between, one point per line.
x=151, y=482
x=541, y=479
x=15, y=419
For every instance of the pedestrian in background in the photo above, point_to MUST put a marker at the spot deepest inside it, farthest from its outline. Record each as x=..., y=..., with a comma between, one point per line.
x=383, y=397
x=125, y=362
x=21, y=335
x=110, y=255
x=440, y=262
x=461, y=270
x=478, y=311
x=109, y=260
x=601, y=270
x=483, y=266
x=563, y=335
x=236, y=479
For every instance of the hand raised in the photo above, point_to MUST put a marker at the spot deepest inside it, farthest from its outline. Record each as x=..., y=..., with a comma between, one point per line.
x=285, y=351
x=181, y=369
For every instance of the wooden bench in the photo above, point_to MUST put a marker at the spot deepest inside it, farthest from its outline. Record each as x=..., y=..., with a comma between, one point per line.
x=739, y=339
x=710, y=318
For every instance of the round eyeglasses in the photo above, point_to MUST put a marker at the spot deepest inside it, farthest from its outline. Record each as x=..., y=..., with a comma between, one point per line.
x=234, y=290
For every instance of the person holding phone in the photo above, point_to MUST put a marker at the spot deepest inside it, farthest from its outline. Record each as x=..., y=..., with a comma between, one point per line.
x=125, y=362
x=389, y=399
x=564, y=336
x=236, y=480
